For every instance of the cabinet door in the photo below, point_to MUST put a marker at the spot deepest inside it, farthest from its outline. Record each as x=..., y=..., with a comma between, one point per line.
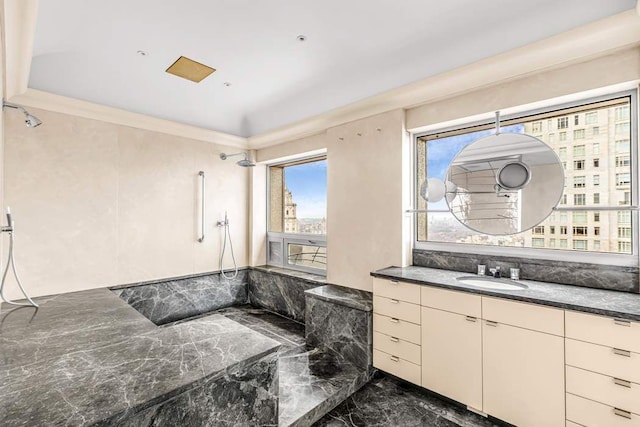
x=452, y=356
x=523, y=375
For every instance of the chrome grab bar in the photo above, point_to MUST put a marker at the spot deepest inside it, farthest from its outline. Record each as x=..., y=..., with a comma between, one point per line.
x=203, y=206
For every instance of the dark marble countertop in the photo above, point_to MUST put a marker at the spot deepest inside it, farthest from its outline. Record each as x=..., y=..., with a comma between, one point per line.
x=617, y=304
x=354, y=298
x=86, y=357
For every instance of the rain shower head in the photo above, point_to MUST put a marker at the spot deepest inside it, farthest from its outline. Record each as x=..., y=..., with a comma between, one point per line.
x=30, y=120
x=245, y=163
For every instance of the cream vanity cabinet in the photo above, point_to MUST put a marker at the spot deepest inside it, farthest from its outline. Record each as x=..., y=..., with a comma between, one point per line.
x=603, y=371
x=452, y=345
x=523, y=363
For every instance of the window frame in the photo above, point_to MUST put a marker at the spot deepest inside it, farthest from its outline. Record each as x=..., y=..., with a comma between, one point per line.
x=285, y=239
x=604, y=258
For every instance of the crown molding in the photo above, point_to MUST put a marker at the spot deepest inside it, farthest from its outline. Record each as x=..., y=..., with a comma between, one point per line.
x=580, y=44
x=89, y=110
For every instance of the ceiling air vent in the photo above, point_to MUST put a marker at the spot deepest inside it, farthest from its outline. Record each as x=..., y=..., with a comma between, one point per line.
x=190, y=69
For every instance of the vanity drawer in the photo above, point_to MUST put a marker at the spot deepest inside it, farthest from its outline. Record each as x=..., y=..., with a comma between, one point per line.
x=603, y=360
x=397, y=347
x=455, y=302
x=603, y=330
x=396, y=290
x=396, y=328
x=604, y=389
x=396, y=366
x=523, y=315
x=397, y=309
x=593, y=414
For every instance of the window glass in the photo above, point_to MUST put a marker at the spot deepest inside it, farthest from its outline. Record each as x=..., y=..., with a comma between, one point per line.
x=604, y=180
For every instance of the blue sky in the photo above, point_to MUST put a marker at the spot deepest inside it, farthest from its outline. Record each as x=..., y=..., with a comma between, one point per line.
x=308, y=185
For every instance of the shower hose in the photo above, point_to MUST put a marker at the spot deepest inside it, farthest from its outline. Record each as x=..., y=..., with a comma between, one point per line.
x=11, y=263
x=226, y=234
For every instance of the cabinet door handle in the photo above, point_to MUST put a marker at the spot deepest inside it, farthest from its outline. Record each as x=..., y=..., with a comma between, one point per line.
x=394, y=339
x=395, y=301
x=622, y=322
x=394, y=320
x=622, y=413
x=621, y=352
x=471, y=319
x=491, y=323
x=623, y=383
x=394, y=358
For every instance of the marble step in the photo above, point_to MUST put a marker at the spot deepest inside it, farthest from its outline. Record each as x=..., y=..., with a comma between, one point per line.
x=312, y=383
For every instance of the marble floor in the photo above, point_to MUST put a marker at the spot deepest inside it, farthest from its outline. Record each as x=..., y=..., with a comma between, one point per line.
x=387, y=401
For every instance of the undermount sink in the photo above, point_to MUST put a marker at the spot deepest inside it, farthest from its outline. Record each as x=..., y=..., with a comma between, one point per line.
x=491, y=283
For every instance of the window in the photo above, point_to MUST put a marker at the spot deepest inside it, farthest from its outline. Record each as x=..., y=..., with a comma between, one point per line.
x=596, y=245
x=591, y=117
x=596, y=131
x=623, y=161
x=624, y=217
x=578, y=150
x=622, y=113
x=579, y=217
x=537, y=242
x=552, y=243
x=579, y=231
x=536, y=127
x=590, y=177
x=580, y=245
x=624, y=232
x=298, y=208
x=596, y=231
x=623, y=179
x=624, y=247
x=622, y=128
x=562, y=152
x=623, y=146
x=626, y=198
x=563, y=122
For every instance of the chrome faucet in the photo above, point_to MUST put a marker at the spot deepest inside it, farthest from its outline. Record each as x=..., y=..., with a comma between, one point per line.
x=495, y=272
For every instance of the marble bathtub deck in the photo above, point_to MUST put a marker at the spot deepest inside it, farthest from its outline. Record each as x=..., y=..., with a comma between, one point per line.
x=87, y=357
x=623, y=305
x=312, y=382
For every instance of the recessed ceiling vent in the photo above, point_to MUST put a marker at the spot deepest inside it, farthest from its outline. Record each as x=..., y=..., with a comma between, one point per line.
x=190, y=69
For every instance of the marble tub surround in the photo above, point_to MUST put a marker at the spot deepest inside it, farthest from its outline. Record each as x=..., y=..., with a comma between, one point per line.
x=597, y=276
x=174, y=299
x=388, y=401
x=88, y=357
x=340, y=320
x=616, y=304
x=281, y=290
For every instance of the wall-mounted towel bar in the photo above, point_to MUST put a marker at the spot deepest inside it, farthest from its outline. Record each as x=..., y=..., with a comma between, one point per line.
x=203, y=205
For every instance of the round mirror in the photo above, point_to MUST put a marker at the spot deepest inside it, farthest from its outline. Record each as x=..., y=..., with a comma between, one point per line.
x=505, y=183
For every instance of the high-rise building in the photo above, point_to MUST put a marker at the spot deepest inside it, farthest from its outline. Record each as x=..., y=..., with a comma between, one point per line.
x=291, y=224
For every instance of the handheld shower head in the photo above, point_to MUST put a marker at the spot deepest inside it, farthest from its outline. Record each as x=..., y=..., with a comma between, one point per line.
x=245, y=163
x=30, y=120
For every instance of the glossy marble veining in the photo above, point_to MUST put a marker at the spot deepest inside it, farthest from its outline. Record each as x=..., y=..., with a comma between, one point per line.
x=88, y=357
x=598, y=276
x=622, y=305
x=170, y=300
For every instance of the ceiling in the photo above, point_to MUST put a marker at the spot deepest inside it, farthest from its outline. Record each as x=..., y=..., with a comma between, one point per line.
x=87, y=49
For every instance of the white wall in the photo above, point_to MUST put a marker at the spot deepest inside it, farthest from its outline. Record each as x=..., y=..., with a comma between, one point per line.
x=98, y=204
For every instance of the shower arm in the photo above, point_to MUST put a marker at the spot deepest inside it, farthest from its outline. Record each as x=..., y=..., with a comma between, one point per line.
x=14, y=106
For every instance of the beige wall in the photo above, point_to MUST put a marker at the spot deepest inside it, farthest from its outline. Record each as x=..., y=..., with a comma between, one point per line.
x=99, y=204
